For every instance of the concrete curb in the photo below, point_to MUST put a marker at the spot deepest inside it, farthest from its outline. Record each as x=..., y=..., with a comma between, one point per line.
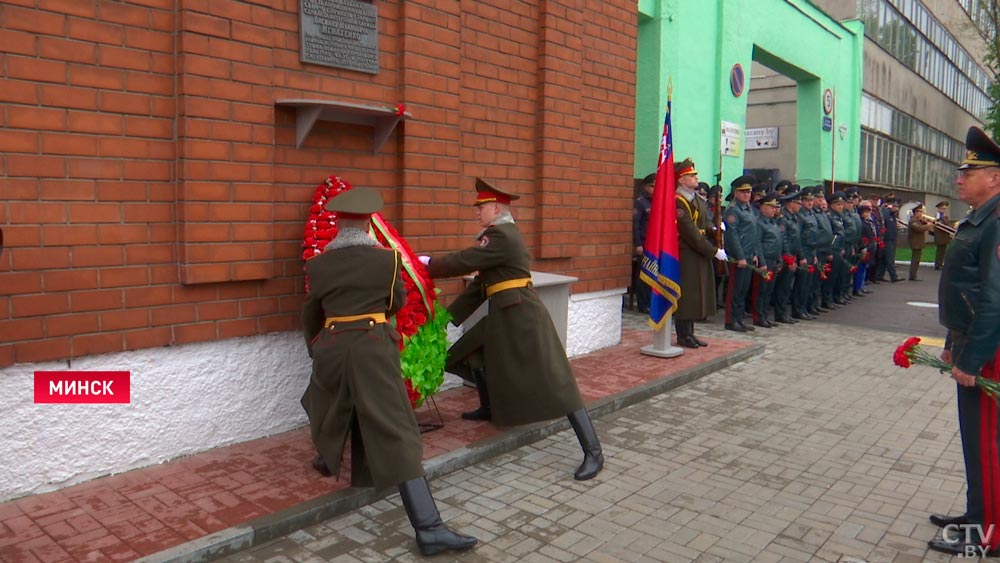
x=266, y=528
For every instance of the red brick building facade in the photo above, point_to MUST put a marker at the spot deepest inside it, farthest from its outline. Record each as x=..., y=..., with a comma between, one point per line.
x=151, y=190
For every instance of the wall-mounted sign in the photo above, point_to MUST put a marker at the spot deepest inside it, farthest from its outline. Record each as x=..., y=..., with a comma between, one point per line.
x=762, y=138
x=339, y=33
x=827, y=101
x=827, y=123
x=737, y=80
x=732, y=139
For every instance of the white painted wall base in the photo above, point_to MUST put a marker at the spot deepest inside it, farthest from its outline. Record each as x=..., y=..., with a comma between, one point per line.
x=595, y=321
x=185, y=399
x=188, y=399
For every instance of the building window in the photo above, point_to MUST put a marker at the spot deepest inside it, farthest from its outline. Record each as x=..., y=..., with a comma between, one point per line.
x=909, y=32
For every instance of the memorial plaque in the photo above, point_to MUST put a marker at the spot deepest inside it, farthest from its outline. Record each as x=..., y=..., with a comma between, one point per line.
x=339, y=33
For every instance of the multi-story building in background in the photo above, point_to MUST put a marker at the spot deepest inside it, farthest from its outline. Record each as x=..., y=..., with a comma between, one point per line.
x=924, y=84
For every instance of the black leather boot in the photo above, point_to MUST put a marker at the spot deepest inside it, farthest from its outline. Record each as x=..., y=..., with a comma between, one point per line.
x=685, y=334
x=593, y=457
x=432, y=535
x=319, y=464
x=483, y=412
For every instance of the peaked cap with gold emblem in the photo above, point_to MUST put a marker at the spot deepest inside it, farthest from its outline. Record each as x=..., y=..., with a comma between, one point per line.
x=980, y=150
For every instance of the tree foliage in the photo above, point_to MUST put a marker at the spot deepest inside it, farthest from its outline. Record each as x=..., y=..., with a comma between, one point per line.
x=992, y=61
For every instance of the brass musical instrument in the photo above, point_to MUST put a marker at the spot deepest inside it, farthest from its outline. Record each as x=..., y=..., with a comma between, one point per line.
x=907, y=210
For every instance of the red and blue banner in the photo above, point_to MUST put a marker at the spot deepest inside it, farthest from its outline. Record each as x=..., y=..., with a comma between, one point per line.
x=661, y=266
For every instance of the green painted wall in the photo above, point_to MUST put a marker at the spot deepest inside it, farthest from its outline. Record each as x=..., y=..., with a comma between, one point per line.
x=695, y=43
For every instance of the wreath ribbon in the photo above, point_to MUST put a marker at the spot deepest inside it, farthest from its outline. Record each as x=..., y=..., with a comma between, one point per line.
x=378, y=222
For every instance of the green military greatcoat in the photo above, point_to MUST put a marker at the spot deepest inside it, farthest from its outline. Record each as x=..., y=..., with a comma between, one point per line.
x=356, y=377
x=696, y=253
x=527, y=373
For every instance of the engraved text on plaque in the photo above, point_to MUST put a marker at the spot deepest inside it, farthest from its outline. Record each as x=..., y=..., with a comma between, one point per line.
x=339, y=33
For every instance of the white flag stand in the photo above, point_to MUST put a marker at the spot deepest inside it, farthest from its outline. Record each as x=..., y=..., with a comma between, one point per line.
x=661, y=346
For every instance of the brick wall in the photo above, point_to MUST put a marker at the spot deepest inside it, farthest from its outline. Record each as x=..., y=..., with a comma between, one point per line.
x=152, y=194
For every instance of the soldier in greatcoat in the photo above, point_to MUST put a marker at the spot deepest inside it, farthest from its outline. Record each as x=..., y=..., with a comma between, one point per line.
x=694, y=229
x=356, y=386
x=514, y=354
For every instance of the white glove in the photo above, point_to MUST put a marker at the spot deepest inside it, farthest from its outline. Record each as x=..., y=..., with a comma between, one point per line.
x=722, y=225
x=721, y=255
x=425, y=260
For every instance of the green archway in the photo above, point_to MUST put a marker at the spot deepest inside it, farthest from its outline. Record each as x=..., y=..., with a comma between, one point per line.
x=696, y=43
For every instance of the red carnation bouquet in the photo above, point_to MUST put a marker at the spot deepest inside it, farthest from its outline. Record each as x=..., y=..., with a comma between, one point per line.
x=762, y=272
x=824, y=272
x=909, y=353
x=422, y=321
x=788, y=259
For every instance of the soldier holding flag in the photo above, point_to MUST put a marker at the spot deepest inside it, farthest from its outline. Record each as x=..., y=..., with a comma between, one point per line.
x=697, y=299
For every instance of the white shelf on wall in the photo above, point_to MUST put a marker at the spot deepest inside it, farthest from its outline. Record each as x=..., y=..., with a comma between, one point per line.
x=308, y=111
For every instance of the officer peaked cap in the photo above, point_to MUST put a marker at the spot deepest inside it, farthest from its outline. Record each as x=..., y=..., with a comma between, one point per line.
x=488, y=193
x=980, y=150
x=771, y=199
x=743, y=183
x=683, y=167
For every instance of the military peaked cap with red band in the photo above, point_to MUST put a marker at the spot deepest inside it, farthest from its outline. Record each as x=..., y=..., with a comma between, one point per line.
x=683, y=167
x=488, y=193
x=980, y=150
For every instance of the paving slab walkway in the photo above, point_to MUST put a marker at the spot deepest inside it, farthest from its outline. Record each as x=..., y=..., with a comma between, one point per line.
x=817, y=450
x=243, y=494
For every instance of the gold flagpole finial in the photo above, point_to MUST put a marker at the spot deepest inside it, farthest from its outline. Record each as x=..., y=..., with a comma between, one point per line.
x=670, y=88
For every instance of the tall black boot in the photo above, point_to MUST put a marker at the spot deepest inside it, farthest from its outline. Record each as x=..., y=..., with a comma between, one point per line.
x=593, y=457
x=432, y=535
x=483, y=412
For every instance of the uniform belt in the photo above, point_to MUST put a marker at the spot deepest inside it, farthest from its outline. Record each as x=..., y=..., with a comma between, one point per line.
x=374, y=318
x=509, y=284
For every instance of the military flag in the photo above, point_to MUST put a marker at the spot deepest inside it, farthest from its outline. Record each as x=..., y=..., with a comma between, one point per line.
x=660, y=268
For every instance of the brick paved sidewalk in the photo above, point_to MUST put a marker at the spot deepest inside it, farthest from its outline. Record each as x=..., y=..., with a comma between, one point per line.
x=124, y=517
x=817, y=450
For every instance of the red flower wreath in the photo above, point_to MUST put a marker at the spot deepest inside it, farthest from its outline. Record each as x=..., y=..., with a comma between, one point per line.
x=421, y=322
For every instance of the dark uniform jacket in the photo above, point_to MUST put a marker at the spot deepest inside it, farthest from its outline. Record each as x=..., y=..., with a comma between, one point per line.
x=696, y=253
x=792, y=243
x=527, y=372
x=890, y=224
x=809, y=231
x=356, y=369
x=852, y=229
x=869, y=241
x=837, y=226
x=741, y=232
x=824, y=232
x=969, y=292
x=770, y=240
x=640, y=219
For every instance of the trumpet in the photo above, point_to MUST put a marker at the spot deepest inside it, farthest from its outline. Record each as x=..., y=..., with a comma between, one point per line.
x=930, y=221
x=945, y=227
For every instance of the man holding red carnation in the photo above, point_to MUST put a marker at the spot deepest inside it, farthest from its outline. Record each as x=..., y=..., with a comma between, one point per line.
x=969, y=307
